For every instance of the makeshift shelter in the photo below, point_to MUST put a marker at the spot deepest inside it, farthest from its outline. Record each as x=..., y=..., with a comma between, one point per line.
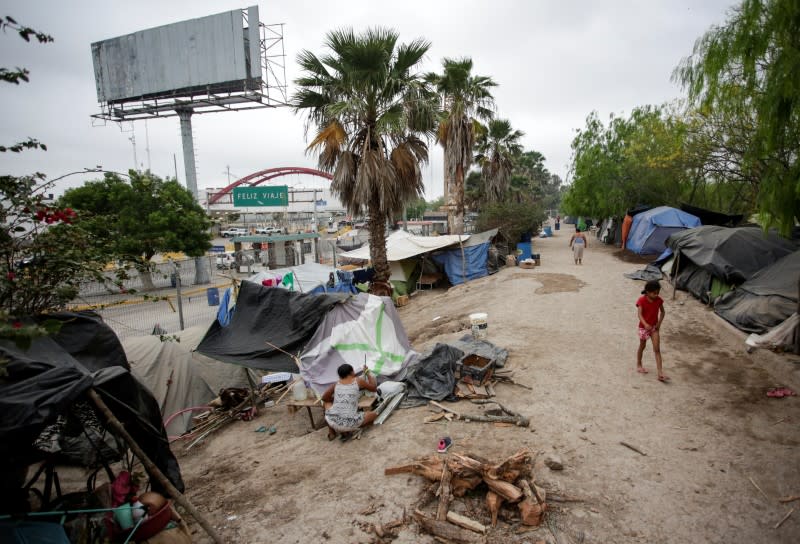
x=401, y=245
x=467, y=261
x=650, y=229
x=765, y=300
x=712, y=259
x=709, y=217
x=307, y=276
x=267, y=323
x=365, y=329
x=179, y=377
x=46, y=384
x=404, y=274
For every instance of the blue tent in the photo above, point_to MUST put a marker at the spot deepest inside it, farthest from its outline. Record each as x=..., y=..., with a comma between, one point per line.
x=651, y=229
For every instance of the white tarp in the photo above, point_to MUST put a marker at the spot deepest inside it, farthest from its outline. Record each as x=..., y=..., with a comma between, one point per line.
x=365, y=329
x=307, y=276
x=402, y=245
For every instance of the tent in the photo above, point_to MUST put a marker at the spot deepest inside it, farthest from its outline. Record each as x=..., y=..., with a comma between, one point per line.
x=709, y=217
x=470, y=264
x=266, y=324
x=766, y=299
x=365, y=329
x=180, y=377
x=401, y=245
x=307, y=276
x=48, y=381
x=650, y=229
x=712, y=258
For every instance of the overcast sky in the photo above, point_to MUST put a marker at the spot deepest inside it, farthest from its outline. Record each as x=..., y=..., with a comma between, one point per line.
x=554, y=61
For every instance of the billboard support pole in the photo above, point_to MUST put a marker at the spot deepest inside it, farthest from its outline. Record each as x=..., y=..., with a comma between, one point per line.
x=185, y=115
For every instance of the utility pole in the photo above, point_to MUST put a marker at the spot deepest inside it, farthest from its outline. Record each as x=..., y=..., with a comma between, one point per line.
x=185, y=116
x=178, y=292
x=147, y=144
x=135, y=158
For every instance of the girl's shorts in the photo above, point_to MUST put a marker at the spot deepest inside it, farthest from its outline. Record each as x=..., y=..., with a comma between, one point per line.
x=644, y=334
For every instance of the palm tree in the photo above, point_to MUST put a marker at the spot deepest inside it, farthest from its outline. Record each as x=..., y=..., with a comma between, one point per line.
x=370, y=110
x=497, y=148
x=465, y=99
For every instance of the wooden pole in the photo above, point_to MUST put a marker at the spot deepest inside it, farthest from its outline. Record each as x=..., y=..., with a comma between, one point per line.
x=674, y=274
x=797, y=328
x=151, y=468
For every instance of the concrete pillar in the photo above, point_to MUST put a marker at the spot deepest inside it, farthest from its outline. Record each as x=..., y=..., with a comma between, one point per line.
x=185, y=115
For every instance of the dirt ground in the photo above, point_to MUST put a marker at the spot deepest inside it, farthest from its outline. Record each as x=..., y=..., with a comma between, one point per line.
x=710, y=435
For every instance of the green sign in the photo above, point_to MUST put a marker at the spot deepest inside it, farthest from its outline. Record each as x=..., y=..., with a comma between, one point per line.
x=261, y=196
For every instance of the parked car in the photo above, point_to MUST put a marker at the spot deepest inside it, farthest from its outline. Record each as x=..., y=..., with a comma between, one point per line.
x=226, y=261
x=268, y=230
x=232, y=232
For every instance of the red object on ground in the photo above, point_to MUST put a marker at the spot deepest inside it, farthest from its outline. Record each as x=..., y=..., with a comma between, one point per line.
x=780, y=392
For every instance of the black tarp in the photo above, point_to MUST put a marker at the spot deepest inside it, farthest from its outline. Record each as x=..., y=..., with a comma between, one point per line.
x=733, y=255
x=283, y=318
x=43, y=381
x=709, y=217
x=433, y=376
x=764, y=301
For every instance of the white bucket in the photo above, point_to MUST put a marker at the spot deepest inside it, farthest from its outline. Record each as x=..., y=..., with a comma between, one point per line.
x=480, y=325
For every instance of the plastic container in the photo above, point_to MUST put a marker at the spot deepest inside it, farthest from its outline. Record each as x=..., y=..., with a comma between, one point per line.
x=299, y=391
x=524, y=250
x=212, y=293
x=548, y=230
x=480, y=325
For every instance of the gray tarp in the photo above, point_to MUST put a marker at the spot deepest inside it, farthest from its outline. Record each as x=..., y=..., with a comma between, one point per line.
x=730, y=254
x=764, y=301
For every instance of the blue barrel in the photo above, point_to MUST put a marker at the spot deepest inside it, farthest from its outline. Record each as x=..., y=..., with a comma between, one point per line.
x=548, y=230
x=213, y=296
x=525, y=248
x=558, y=226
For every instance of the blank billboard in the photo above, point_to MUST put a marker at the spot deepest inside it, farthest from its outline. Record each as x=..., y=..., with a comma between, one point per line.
x=215, y=54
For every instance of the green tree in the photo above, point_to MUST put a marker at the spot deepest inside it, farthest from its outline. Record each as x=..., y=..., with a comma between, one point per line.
x=370, y=109
x=45, y=253
x=466, y=99
x=142, y=217
x=513, y=219
x=750, y=68
x=498, y=147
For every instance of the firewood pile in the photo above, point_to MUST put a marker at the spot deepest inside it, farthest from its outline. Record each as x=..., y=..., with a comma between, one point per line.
x=506, y=485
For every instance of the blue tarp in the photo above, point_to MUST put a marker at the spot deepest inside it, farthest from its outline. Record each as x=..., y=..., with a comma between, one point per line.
x=651, y=229
x=475, y=258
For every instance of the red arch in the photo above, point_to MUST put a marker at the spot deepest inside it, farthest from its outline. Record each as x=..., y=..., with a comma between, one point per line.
x=257, y=178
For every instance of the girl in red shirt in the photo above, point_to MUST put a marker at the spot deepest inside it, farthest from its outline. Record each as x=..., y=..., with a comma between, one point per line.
x=650, y=307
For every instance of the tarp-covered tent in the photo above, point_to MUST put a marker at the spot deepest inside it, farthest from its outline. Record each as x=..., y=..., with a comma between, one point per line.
x=363, y=329
x=49, y=378
x=404, y=274
x=650, y=229
x=267, y=317
x=714, y=258
x=401, y=245
x=766, y=299
x=179, y=377
x=472, y=263
x=709, y=217
x=307, y=276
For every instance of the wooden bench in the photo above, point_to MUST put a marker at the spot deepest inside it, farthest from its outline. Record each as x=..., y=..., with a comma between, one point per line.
x=428, y=279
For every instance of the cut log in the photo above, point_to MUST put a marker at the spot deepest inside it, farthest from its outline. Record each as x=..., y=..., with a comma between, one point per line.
x=466, y=523
x=532, y=508
x=444, y=494
x=445, y=530
x=462, y=484
x=493, y=504
x=508, y=491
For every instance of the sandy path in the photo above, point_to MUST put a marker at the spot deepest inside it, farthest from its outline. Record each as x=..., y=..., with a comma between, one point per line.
x=571, y=331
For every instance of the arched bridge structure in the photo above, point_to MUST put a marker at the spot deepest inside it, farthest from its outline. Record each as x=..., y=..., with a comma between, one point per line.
x=257, y=178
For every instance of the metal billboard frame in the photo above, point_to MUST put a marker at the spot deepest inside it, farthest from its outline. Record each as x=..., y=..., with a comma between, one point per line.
x=270, y=92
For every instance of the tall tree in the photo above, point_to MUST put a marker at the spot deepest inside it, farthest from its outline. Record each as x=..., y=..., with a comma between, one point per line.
x=142, y=217
x=750, y=66
x=498, y=147
x=466, y=99
x=370, y=109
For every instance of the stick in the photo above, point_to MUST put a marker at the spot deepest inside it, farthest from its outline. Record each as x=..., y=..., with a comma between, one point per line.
x=790, y=498
x=466, y=523
x=444, y=493
x=152, y=469
x=756, y=486
x=634, y=448
x=789, y=513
